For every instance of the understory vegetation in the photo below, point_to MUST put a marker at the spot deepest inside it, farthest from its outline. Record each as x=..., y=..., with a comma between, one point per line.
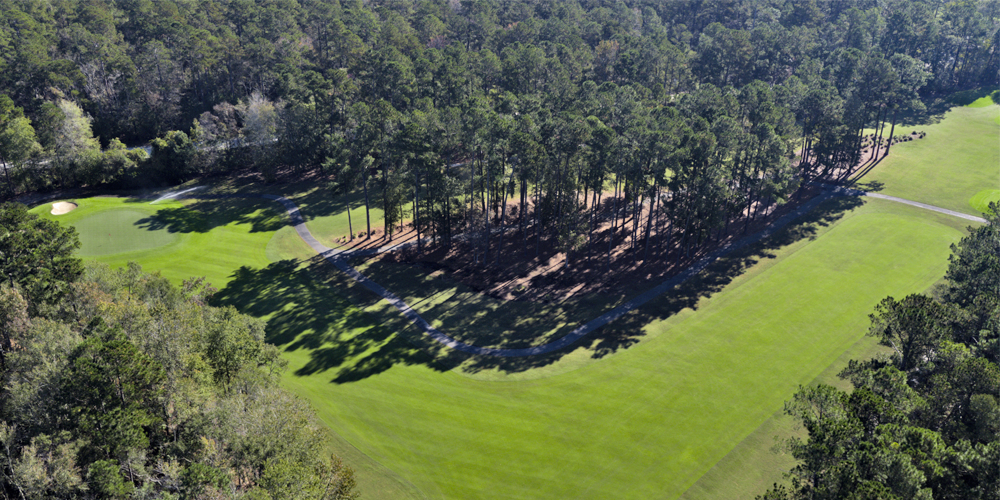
x=118, y=384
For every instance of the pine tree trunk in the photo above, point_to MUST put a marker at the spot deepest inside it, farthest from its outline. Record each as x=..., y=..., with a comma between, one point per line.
x=649, y=220
x=416, y=209
x=503, y=216
x=368, y=215
x=892, y=130
x=350, y=226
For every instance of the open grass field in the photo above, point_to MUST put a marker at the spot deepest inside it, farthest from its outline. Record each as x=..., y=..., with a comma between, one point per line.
x=599, y=420
x=951, y=166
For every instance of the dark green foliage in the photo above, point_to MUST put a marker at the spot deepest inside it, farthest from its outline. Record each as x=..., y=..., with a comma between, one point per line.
x=36, y=255
x=105, y=480
x=140, y=387
x=173, y=156
x=923, y=421
x=198, y=477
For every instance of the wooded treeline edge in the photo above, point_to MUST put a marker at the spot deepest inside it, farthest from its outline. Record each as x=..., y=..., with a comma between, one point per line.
x=118, y=384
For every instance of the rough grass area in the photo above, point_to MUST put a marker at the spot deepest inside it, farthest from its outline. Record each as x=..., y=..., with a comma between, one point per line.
x=959, y=157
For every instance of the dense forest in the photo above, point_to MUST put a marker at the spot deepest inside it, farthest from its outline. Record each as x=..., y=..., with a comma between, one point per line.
x=922, y=421
x=118, y=384
x=442, y=112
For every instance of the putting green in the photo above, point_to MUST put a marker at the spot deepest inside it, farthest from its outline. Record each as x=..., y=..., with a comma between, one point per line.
x=959, y=157
x=981, y=201
x=179, y=239
x=118, y=231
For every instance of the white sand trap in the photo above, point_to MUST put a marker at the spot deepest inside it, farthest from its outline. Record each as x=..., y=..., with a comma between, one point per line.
x=63, y=207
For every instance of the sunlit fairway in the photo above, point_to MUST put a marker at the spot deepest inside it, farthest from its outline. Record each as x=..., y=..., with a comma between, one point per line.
x=951, y=166
x=643, y=409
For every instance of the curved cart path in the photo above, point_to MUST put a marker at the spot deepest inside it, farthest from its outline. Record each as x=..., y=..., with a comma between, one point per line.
x=339, y=259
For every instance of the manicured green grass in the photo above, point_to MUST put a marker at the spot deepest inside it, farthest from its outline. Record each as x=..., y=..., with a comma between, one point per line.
x=118, y=231
x=646, y=421
x=981, y=201
x=179, y=239
x=957, y=159
x=599, y=420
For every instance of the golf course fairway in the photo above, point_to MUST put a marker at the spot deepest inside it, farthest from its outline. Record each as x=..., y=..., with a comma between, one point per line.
x=951, y=166
x=649, y=420
x=644, y=421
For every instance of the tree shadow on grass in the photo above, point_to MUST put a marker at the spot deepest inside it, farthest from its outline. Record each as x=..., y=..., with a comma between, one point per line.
x=629, y=329
x=481, y=320
x=349, y=330
x=204, y=215
x=305, y=311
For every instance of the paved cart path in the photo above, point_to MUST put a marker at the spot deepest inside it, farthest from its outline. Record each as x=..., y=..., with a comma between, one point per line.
x=339, y=259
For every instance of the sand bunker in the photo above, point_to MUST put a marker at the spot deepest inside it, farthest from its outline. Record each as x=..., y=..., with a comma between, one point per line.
x=63, y=207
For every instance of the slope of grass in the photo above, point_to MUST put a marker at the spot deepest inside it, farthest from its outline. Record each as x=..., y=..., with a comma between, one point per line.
x=959, y=157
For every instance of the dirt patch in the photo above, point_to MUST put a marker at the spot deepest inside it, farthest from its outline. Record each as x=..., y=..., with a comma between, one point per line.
x=63, y=207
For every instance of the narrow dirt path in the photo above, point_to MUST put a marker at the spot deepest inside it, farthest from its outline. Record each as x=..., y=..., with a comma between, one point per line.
x=339, y=259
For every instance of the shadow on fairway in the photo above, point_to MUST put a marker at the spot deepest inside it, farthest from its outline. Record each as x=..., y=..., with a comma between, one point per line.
x=202, y=216
x=317, y=308
x=306, y=312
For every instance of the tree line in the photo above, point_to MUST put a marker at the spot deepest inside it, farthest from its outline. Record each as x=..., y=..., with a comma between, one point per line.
x=118, y=384
x=923, y=421
x=691, y=114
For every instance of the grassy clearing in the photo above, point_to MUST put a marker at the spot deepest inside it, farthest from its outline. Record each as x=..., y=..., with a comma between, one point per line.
x=936, y=169
x=647, y=421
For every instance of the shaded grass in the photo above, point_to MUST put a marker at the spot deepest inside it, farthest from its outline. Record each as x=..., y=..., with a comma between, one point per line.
x=481, y=320
x=959, y=157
